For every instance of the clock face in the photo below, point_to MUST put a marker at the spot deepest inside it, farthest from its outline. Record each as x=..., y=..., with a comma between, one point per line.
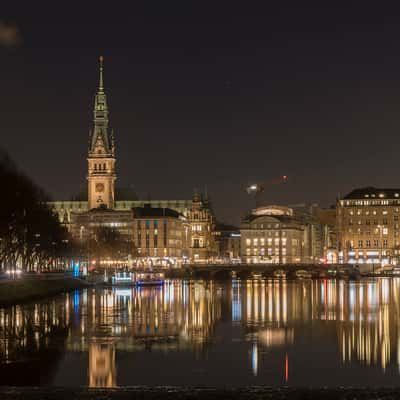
x=99, y=187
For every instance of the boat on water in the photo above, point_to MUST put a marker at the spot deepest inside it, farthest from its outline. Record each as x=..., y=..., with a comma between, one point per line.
x=122, y=278
x=303, y=274
x=137, y=278
x=149, y=278
x=280, y=274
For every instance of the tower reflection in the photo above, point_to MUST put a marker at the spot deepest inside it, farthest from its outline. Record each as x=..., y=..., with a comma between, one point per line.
x=360, y=318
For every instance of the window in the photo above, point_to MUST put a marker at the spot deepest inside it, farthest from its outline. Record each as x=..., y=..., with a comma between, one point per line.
x=359, y=222
x=358, y=212
x=255, y=242
x=165, y=233
x=147, y=239
x=385, y=231
x=248, y=242
x=368, y=243
x=262, y=242
x=360, y=244
x=247, y=251
x=276, y=242
x=269, y=241
x=196, y=243
x=384, y=212
x=385, y=243
x=376, y=243
x=384, y=221
x=374, y=212
x=367, y=222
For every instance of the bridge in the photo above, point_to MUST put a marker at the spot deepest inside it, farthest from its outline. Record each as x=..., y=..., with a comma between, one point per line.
x=244, y=271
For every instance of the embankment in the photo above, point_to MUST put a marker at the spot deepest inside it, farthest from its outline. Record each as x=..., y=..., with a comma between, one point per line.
x=23, y=290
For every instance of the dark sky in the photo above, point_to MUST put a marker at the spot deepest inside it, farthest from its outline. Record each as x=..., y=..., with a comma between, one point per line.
x=208, y=93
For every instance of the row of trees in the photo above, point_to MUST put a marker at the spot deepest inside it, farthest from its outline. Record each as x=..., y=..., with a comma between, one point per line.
x=30, y=234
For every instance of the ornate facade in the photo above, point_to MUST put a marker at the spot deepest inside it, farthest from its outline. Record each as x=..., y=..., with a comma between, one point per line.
x=105, y=205
x=368, y=222
x=101, y=154
x=202, y=221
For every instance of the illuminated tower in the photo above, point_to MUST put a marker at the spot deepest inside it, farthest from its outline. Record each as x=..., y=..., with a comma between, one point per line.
x=101, y=156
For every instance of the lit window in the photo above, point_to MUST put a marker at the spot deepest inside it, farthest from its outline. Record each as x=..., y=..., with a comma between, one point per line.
x=255, y=242
x=248, y=242
x=385, y=231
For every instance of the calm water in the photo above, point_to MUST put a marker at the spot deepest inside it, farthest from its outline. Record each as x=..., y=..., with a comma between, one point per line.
x=304, y=333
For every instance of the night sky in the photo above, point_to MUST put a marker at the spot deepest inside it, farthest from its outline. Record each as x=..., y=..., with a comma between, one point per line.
x=207, y=93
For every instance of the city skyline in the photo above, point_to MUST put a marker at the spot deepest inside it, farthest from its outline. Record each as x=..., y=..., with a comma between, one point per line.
x=220, y=97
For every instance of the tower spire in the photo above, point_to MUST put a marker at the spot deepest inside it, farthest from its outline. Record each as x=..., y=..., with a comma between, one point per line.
x=101, y=84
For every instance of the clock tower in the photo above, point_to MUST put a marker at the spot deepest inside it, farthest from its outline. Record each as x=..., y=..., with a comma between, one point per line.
x=101, y=155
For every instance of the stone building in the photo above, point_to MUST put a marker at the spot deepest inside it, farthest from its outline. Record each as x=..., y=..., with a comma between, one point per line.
x=227, y=238
x=202, y=224
x=84, y=225
x=161, y=236
x=101, y=192
x=273, y=234
x=368, y=226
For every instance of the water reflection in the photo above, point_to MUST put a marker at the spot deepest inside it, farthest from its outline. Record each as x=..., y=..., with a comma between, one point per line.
x=274, y=325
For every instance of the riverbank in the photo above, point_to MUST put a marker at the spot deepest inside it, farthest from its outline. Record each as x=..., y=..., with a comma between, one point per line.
x=23, y=290
x=173, y=393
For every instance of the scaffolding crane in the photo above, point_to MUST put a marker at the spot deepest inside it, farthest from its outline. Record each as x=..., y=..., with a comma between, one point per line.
x=255, y=189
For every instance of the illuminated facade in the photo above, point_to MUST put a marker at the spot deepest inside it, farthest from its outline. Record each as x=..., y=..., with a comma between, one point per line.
x=101, y=154
x=369, y=227
x=160, y=235
x=202, y=225
x=285, y=235
x=101, y=173
x=272, y=235
x=105, y=205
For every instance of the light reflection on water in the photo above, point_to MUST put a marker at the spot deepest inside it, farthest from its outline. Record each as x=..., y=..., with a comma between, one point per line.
x=270, y=332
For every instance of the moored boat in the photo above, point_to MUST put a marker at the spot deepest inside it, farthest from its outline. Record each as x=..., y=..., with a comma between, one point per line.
x=303, y=274
x=149, y=278
x=280, y=274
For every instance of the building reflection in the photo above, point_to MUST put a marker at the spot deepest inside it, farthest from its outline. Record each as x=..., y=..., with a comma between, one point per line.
x=102, y=369
x=364, y=316
x=361, y=317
